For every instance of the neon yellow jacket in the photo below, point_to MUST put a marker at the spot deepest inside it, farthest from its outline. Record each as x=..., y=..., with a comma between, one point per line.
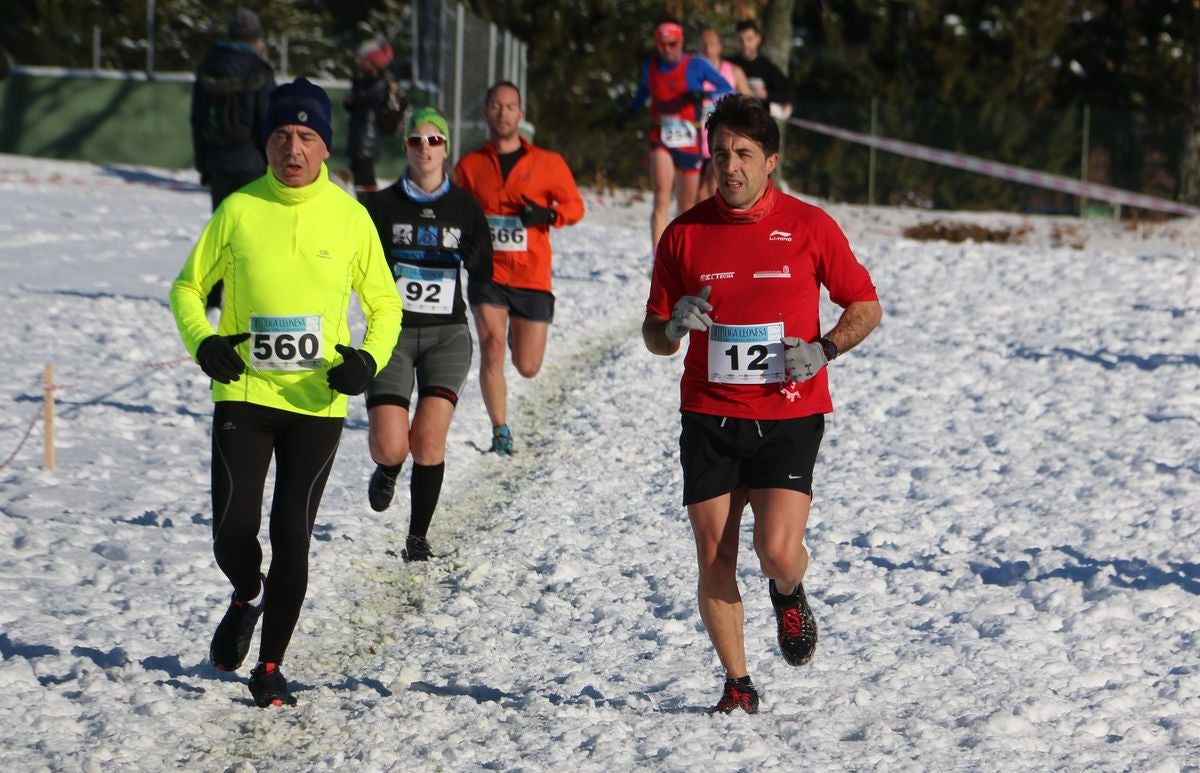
x=289, y=258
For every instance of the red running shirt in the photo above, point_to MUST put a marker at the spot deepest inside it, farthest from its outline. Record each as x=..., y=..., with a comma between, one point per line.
x=766, y=268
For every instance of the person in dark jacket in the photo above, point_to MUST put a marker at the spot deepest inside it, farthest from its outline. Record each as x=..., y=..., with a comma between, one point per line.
x=431, y=229
x=229, y=107
x=376, y=104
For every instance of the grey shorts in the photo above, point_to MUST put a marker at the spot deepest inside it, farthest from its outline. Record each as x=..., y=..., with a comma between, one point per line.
x=437, y=358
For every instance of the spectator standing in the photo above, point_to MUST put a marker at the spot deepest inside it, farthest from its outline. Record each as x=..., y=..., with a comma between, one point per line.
x=377, y=105
x=767, y=82
x=229, y=105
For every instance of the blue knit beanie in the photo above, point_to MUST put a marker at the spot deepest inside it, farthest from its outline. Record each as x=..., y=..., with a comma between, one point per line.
x=303, y=103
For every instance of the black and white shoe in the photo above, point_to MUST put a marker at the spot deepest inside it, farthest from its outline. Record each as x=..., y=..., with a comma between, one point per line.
x=268, y=686
x=416, y=549
x=381, y=489
x=797, y=628
x=231, y=642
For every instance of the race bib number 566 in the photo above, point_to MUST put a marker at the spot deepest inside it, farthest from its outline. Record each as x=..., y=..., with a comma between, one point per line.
x=286, y=343
x=508, y=234
x=745, y=354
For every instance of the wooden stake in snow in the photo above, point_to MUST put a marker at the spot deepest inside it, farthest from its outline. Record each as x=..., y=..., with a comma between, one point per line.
x=48, y=414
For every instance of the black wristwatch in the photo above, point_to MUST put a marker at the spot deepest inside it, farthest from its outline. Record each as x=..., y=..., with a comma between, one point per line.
x=830, y=349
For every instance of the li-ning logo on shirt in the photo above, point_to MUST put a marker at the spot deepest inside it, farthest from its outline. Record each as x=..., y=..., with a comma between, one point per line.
x=783, y=273
x=779, y=236
x=717, y=275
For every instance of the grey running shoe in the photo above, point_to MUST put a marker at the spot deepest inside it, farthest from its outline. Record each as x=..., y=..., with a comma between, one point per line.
x=268, y=686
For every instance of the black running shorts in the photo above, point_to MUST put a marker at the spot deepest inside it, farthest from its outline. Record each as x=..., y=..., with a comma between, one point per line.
x=719, y=455
x=533, y=305
x=436, y=357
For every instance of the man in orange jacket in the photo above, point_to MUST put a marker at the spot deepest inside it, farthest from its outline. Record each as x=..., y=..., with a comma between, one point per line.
x=524, y=191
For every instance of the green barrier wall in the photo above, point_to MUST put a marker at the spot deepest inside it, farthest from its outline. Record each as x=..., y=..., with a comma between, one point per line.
x=119, y=118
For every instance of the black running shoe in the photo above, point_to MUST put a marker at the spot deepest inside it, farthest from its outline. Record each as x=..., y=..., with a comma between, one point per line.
x=797, y=628
x=381, y=489
x=416, y=549
x=231, y=642
x=738, y=694
x=268, y=686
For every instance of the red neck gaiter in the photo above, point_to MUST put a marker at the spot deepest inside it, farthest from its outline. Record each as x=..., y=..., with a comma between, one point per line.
x=757, y=212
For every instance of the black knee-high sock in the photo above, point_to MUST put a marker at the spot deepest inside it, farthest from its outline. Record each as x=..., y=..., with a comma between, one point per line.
x=425, y=489
x=392, y=470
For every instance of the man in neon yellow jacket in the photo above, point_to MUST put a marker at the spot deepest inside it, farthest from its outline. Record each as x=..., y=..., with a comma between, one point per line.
x=289, y=247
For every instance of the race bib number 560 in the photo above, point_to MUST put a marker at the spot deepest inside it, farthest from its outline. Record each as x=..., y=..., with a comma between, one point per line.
x=286, y=343
x=746, y=354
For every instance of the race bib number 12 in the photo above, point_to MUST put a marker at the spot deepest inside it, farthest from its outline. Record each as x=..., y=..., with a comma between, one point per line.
x=746, y=354
x=286, y=343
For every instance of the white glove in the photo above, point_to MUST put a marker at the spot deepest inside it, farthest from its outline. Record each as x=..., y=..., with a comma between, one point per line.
x=804, y=360
x=689, y=314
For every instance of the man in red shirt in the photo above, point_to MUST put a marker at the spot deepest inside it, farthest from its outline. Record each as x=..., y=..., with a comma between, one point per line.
x=740, y=275
x=524, y=191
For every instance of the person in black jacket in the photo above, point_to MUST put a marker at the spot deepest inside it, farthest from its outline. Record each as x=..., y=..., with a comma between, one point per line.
x=767, y=82
x=431, y=229
x=229, y=108
x=376, y=104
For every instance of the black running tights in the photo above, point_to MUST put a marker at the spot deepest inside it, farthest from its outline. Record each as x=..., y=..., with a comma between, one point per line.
x=245, y=436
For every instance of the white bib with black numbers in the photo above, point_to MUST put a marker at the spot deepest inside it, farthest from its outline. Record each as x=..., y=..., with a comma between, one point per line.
x=286, y=343
x=746, y=354
x=427, y=290
x=508, y=233
x=676, y=132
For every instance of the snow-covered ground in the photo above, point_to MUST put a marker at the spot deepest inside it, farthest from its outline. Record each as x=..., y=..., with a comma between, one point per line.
x=1004, y=538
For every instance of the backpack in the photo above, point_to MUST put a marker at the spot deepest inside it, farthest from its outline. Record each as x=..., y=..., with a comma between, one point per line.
x=228, y=123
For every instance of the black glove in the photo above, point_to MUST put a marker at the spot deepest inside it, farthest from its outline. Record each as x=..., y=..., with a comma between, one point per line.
x=354, y=374
x=219, y=360
x=535, y=214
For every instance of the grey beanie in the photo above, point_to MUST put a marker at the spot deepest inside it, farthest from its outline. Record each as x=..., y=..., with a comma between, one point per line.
x=244, y=26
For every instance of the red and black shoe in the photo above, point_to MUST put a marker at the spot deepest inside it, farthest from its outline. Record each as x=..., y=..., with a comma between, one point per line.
x=268, y=686
x=797, y=628
x=739, y=694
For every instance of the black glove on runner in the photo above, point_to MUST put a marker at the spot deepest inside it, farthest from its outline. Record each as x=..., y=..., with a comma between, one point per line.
x=535, y=214
x=355, y=373
x=219, y=360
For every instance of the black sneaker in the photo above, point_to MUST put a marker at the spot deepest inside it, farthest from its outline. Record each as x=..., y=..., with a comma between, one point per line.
x=268, y=686
x=416, y=549
x=231, y=642
x=738, y=694
x=381, y=489
x=797, y=628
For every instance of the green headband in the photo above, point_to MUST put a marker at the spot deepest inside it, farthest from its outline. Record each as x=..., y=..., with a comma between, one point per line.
x=432, y=117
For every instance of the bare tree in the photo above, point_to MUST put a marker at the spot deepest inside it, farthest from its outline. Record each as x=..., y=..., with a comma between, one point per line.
x=1189, y=184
